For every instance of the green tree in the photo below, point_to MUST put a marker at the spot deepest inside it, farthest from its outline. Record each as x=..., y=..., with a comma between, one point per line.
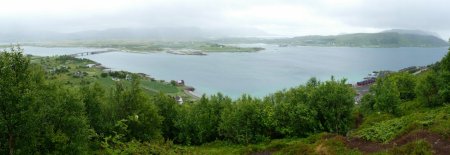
x=406, y=84
x=17, y=86
x=168, y=110
x=206, y=114
x=184, y=123
x=333, y=100
x=444, y=78
x=58, y=124
x=94, y=98
x=243, y=121
x=367, y=104
x=292, y=117
x=133, y=105
x=198, y=123
x=433, y=88
x=427, y=89
x=387, y=96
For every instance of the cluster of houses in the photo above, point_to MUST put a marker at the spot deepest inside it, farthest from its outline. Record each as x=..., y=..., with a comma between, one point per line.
x=414, y=69
x=180, y=82
x=127, y=77
x=91, y=65
x=179, y=99
x=362, y=87
x=78, y=74
x=59, y=69
x=366, y=82
x=371, y=78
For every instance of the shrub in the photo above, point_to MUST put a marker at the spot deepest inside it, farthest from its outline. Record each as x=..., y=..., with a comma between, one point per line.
x=420, y=147
x=103, y=75
x=385, y=131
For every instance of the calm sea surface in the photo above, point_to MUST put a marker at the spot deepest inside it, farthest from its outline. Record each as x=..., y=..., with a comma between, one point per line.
x=263, y=72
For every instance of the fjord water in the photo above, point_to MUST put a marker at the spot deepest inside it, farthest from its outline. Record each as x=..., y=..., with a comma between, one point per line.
x=263, y=72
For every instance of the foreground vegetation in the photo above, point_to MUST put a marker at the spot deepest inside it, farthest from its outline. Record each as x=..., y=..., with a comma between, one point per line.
x=40, y=115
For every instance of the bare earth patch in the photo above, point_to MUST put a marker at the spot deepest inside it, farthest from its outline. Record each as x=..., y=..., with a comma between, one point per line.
x=439, y=144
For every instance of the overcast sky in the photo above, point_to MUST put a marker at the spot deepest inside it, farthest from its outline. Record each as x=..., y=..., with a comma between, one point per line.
x=277, y=17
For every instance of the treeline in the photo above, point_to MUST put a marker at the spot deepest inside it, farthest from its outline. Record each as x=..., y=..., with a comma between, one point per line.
x=316, y=107
x=38, y=116
x=398, y=93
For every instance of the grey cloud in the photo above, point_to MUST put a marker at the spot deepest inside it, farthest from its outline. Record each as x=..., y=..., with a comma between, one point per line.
x=429, y=15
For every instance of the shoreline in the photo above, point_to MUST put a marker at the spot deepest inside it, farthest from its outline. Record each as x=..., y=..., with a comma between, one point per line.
x=146, y=76
x=182, y=90
x=180, y=52
x=196, y=96
x=192, y=94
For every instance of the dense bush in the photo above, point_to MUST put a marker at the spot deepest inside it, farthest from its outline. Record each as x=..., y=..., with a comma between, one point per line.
x=103, y=75
x=199, y=122
x=419, y=147
x=333, y=101
x=118, y=74
x=386, y=95
x=37, y=117
x=433, y=88
x=244, y=122
x=384, y=130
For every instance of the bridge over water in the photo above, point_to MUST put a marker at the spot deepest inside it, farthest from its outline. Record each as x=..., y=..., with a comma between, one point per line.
x=89, y=53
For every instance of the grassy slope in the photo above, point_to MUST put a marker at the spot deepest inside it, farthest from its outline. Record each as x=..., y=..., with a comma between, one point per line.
x=315, y=144
x=383, y=39
x=94, y=75
x=376, y=131
x=386, y=39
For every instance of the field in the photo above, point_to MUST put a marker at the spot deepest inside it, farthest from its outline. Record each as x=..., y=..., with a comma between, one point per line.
x=76, y=72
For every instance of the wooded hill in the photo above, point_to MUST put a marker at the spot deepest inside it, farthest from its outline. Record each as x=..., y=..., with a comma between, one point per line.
x=390, y=38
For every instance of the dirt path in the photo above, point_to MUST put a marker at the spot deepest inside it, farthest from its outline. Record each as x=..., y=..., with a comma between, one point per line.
x=439, y=144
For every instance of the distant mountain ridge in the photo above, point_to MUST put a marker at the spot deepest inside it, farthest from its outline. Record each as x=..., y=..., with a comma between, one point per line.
x=389, y=38
x=417, y=32
x=157, y=33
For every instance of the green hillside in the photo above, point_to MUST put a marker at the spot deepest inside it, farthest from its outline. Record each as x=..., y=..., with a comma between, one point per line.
x=383, y=39
x=389, y=38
